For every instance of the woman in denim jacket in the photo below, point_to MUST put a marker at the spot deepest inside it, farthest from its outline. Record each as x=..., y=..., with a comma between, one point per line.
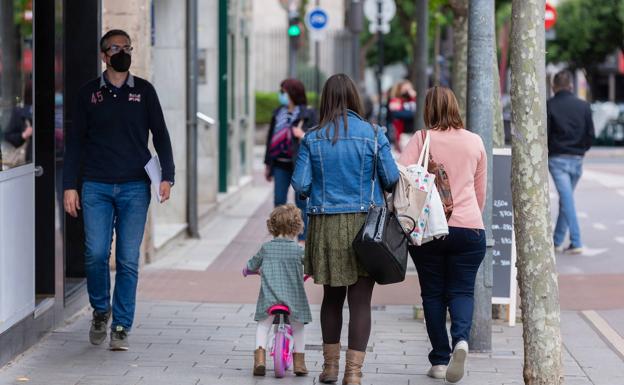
x=334, y=169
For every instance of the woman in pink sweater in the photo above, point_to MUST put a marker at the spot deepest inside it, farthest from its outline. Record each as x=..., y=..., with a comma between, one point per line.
x=447, y=267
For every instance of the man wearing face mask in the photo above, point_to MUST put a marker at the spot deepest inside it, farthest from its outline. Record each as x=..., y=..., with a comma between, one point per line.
x=106, y=150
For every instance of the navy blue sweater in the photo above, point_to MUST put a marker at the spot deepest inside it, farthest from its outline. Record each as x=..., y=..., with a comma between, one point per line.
x=108, y=140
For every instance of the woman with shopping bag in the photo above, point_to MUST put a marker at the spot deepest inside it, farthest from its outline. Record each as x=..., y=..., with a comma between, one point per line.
x=447, y=267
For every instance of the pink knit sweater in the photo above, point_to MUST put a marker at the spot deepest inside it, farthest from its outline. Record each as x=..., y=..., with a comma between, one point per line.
x=463, y=155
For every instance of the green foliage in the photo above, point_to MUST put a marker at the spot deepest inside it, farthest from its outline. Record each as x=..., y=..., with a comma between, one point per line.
x=267, y=102
x=399, y=43
x=586, y=32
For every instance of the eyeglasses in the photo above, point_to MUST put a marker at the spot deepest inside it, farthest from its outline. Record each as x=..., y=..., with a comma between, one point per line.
x=117, y=48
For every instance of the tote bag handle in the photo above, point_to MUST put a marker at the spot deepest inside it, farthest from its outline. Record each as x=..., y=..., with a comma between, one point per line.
x=423, y=159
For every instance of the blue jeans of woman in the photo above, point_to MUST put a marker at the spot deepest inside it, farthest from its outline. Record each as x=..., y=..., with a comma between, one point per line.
x=566, y=172
x=447, y=269
x=121, y=208
x=282, y=178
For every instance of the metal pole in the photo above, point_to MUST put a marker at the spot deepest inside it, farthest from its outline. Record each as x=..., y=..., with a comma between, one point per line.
x=480, y=118
x=223, y=95
x=380, y=58
x=191, y=118
x=422, y=35
x=292, y=44
x=356, y=24
x=317, y=74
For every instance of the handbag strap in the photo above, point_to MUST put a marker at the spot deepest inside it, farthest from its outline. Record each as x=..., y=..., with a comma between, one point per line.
x=423, y=159
x=374, y=176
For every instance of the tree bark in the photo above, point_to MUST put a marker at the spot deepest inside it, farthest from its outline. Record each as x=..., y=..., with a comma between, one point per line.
x=460, y=52
x=537, y=275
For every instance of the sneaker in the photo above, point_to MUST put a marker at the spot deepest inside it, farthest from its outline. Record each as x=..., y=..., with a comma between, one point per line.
x=99, y=327
x=574, y=250
x=119, y=339
x=437, y=372
x=456, y=367
x=559, y=249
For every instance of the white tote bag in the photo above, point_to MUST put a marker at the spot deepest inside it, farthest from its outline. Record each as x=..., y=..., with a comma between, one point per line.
x=436, y=226
x=424, y=181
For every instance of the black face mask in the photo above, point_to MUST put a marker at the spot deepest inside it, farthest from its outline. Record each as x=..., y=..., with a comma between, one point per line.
x=121, y=61
x=406, y=95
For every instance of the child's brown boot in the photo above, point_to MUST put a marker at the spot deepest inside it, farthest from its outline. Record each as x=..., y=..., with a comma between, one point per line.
x=299, y=366
x=259, y=362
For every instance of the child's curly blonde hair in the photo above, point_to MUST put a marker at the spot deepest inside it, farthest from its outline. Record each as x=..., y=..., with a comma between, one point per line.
x=285, y=220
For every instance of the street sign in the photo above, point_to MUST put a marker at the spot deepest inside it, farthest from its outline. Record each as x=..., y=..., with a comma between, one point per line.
x=379, y=22
x=317, y=20
x=550, y=16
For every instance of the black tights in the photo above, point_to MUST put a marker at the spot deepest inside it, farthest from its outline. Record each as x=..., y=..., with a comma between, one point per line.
x=359, y=295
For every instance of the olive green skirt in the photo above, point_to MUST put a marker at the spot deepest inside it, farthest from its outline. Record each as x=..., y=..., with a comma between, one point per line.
x=329, y=257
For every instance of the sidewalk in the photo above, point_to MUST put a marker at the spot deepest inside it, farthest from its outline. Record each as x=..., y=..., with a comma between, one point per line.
x=179, y=343
x=194, y=325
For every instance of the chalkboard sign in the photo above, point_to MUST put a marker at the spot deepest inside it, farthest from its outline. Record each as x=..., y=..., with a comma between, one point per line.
x=504, y=250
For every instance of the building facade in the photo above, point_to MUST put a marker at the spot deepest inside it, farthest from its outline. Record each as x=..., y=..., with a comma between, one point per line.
x=48, y=49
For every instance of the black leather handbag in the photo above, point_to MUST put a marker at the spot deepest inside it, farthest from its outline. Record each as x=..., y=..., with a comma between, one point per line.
x=381, y=244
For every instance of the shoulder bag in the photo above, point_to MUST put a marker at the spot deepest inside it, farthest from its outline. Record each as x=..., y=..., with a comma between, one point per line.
x=381, y=244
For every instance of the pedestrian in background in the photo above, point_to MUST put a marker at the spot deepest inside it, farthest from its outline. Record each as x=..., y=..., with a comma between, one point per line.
x=289, y=124
x=570, y=135
x=106, y=150
x=19, y=131
x=447, y=267
x=401, y=110
x=334, y=169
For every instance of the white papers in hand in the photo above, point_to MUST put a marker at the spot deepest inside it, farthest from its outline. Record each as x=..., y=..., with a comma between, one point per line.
x=155, y=174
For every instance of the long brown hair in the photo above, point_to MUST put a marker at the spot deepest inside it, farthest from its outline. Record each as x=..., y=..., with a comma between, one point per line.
x=339, y=95
x=441, y=109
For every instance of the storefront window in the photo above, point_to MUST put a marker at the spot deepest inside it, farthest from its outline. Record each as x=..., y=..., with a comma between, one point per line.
x=16, y=93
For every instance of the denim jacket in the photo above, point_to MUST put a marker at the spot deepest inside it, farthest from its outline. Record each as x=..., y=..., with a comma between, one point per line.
x=337, y=177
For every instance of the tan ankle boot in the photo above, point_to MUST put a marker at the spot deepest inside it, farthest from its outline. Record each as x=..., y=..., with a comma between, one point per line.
x=299, y=366
x=259, y=362
x=353, y=367
x=331, y=354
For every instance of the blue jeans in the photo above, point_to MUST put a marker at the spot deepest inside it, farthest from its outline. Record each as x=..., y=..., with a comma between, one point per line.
x=122, y=208
x=282, y=178
x=447, y=269
x=566, y=172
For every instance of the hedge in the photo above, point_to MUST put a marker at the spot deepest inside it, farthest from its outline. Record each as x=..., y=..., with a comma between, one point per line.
x=267, y=102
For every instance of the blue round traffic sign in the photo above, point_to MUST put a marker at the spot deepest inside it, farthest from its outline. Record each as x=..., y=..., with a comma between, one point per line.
x=317, y=19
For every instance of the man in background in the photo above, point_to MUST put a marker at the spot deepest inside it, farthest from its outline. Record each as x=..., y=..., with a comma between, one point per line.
x=570, y=135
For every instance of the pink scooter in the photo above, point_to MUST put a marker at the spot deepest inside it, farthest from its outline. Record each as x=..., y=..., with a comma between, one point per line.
x=281, y=349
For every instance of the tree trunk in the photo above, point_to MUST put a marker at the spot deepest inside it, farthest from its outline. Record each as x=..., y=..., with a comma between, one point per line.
x=460, y=52
x=537, y=275
x=422, y=37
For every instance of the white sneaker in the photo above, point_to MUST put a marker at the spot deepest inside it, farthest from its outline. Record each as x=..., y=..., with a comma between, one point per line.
x=574, y=250
x=437, y=371
x=559, y=249
x=456, y=367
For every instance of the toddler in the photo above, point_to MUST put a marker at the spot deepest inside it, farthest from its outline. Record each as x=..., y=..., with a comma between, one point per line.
x=280, y=262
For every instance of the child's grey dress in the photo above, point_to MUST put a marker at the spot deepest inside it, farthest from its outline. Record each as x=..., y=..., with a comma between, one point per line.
x=281, y=263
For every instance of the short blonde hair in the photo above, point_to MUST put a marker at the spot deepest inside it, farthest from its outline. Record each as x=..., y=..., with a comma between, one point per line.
x=442, y=110
x=285, y=220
